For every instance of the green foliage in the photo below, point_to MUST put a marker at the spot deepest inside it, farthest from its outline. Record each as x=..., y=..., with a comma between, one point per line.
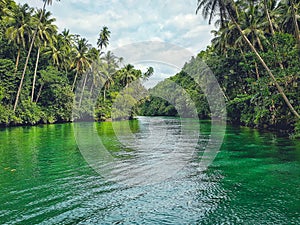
x=29, y=113
x=57, y=99
x=67, y=60
x=8, y=81
x=5, y=115
x=250, y=100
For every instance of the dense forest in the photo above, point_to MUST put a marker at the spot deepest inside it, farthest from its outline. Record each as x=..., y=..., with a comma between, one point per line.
x=40, y=68
x=255, y=58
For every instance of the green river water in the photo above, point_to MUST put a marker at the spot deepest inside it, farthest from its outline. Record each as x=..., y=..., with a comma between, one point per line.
x=44, y=178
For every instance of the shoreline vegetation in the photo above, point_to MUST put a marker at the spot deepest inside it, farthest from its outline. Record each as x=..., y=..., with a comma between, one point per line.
x=254, y=56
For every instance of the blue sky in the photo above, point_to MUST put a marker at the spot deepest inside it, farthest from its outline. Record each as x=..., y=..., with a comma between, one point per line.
x=131, y=21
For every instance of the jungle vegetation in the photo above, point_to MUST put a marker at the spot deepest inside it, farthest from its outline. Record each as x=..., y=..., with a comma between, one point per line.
x=255, y=57
x=41, y=67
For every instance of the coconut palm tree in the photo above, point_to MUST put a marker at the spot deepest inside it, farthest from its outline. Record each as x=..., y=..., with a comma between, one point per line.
x=66, y=42
x=290, y=18
x=93, y=57
x=128, y=74
x=107, y=76
x=45, y=35
x=212, y=7
x=103, y=39
x=82, y=60
x=148, y=73
x=49, y=2
x=55, y=52
x=18, y=20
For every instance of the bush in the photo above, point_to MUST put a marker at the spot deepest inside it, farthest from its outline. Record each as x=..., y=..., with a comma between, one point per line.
x=29, y=113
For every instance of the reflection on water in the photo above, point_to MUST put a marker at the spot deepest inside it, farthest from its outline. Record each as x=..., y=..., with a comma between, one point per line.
x=44, y=178
x=138, y=152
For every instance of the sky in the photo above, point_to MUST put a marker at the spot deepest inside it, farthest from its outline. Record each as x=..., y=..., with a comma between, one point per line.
x=133, y=21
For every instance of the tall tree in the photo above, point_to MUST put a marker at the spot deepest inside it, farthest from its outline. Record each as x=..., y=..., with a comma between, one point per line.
x=103, y=39
x=128, y=74
x=18, y=20
x=49, y=2
x=82, y=60
x=45, y=34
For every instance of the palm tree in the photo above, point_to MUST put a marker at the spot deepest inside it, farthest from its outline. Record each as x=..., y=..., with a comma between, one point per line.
x=266, y=4
x=128, y=74
x=82, y=59
x=232, y=12
x=45, y=35
x=103, y=39
x=289, y=11
x=212, y=7
x=253, y=27
x=68, y=38
x=55, y=52
x=19, y=27
x=61, y=50
x=148, y=73
x=224, y=38
x=49, y=2
x=65, y=43
x=93, y=57
x=271, y=12
x=107, y=75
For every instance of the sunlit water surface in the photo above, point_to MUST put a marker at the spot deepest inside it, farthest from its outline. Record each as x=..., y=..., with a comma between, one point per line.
x=44, y=178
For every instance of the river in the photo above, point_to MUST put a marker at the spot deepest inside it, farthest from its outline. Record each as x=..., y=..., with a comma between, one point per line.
x=45, y=177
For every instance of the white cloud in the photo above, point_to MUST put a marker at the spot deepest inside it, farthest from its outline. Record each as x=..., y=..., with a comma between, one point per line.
x=130, y=21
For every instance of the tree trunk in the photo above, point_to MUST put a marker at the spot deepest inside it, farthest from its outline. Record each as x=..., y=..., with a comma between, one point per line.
x=269, y=18
x=27, y=58
x=17, y=60
x=39, y=93
x=35, y=71
x=91, y=89
x=82, y=91
x=75, y=78
x=264, y=65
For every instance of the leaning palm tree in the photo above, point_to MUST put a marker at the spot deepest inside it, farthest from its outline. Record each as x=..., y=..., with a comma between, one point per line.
x=233, y=13
x=49, y=2
x=45, y=36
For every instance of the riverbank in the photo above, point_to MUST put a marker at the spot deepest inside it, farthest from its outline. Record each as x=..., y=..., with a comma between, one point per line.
x=291, y=133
